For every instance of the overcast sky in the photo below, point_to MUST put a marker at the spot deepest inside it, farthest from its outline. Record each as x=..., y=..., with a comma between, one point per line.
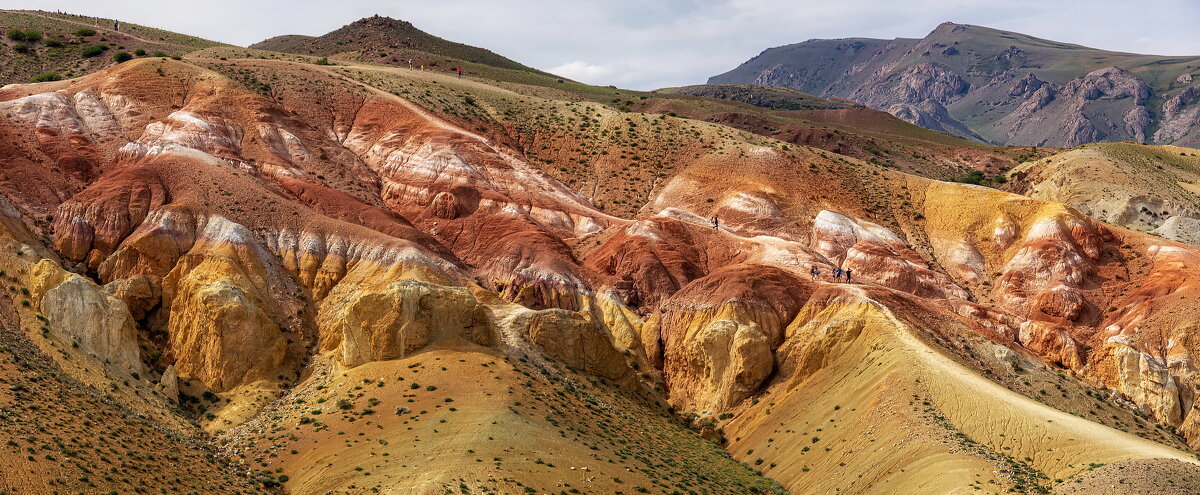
x=647, y=44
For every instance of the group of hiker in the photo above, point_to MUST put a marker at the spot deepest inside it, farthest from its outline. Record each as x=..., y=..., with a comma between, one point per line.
x=815, y=271
x=116, y=24
x=838, y=273
x=458, y=70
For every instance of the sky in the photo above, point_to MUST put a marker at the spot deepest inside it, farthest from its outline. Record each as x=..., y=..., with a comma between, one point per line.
x=649, y=44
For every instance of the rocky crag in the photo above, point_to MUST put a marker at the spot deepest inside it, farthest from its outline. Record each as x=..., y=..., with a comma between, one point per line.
x=996, y=86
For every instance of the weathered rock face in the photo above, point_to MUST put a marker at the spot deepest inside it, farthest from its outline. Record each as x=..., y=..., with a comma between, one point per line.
x=139, y=293
x=364, y=324
x=915, y=84
x=995, y=85
x=219, y=329
x=1181, y=118
x=719, y=333
x=1180, y=228
x=1026, y=86
x=931, y=115
x=168, y=383
x=1104, y=105
x=1143, y=379
x=818, y=334
x=81, y=313
x=575, y=339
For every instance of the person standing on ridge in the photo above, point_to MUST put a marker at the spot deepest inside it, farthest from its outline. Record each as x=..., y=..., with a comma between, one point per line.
x=459, y=72
x=837, y=274
x=848, y=275
x=814, y=271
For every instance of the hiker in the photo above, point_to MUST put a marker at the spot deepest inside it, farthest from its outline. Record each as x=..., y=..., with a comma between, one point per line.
x=716, y=223
x=410, y=64
x=459, y=72
x=816, y=272
x=116, y=26
x=837, y=274
x=848, y=275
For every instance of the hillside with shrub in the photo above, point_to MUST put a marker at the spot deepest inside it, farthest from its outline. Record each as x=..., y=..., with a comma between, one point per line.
x=44, y=46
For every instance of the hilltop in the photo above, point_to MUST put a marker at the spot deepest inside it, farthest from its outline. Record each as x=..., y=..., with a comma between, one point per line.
x=384, y=40
x=995, y=86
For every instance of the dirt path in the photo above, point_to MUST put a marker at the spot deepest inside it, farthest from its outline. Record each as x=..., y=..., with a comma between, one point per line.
x=97, y=27
x=1059, y=443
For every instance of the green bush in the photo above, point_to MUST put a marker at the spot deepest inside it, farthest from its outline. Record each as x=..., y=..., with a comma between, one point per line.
x=94, y=51
x=54, y=44
x=47, y=76
x=140, y=52
x=973, y=177
x=159, y=54
x=33, y=36
x=21, y=48
x=16, y=34
x=322, y=61
x=122, y=57
x=86, y=32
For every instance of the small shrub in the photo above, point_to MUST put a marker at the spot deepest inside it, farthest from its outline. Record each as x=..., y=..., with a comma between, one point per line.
x=16, y=35
x=322, y=61
x=21, y=48
x=122, y=57
x=33, y=36
x=159, y=54
x=86, y=32
x=94, y=51
x=973, y=177
x=54, y=44
x=47, y=76
x=140, y=52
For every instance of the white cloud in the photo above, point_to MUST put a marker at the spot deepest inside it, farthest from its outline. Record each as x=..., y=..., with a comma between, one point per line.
x=583, y=72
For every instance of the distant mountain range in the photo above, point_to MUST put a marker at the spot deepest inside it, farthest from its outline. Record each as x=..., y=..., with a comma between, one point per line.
x=996, y=86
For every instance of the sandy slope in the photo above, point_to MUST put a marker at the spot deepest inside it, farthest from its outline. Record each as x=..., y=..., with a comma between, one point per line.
x=883, y=411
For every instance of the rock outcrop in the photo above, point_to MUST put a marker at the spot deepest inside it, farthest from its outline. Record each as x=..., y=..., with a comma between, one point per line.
x=83, y=315
x=574, y=339
x=364, y=324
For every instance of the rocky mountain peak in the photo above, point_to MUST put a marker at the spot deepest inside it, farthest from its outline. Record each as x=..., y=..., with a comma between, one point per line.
x=1096, y=94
